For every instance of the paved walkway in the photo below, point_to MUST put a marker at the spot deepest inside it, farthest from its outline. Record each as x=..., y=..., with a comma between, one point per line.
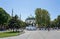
x=37, y=35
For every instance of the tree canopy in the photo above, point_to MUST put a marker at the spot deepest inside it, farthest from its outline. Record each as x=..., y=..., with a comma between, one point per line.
x=4, y=16
x=42, y=17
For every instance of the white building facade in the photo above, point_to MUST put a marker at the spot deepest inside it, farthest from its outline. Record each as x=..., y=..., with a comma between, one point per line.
x=30, y=20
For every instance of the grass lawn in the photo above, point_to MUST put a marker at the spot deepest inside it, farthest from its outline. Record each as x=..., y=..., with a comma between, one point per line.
x=8, y=34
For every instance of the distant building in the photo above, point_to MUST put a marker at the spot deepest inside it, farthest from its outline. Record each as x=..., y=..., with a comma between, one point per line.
x=30, y=20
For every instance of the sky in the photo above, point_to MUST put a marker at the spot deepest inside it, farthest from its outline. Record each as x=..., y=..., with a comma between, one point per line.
x=28, y=7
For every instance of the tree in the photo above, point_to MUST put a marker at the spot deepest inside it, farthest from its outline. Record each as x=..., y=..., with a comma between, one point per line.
x=42, y=17
x=14, y=23
x=53, y=23
x=4, y=18
x=23, y=24
x=58, y=19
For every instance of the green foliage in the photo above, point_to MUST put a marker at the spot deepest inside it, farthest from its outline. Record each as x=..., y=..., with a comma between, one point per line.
x=56, y=22
x=4, y=19
x=23, y=24
x=58, y=19
x=4, y=16
x=42, y=17
x=14, y=23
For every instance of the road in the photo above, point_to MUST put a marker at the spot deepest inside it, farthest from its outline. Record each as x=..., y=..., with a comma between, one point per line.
x=39, y=34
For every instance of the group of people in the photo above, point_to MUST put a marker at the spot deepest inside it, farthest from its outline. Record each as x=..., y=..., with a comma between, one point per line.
x=54, y=28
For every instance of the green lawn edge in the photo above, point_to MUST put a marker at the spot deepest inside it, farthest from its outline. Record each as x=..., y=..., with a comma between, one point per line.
x=8, y=34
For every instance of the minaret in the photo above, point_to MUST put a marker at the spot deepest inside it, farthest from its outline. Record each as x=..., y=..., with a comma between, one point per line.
x=20, y=16
x=12, y=12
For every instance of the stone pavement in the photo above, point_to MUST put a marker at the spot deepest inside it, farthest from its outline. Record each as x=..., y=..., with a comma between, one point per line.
x=38, y=34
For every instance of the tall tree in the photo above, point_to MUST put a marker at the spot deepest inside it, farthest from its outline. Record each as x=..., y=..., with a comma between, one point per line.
x=53, y=23
x=4, y=17
x=13, y=23
x=38, y=16
x=58, y=19
x=42, y=17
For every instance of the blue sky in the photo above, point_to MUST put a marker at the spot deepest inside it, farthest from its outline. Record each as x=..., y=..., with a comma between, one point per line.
x=27, y=7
